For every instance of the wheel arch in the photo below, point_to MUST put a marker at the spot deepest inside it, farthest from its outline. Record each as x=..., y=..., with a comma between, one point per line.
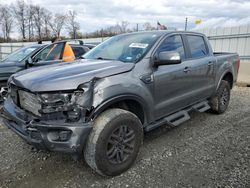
x=227, y=76
x=132, y=103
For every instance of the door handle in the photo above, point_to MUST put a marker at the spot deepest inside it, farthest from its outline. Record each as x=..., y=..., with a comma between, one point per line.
x=210, y=63
x=186, y=69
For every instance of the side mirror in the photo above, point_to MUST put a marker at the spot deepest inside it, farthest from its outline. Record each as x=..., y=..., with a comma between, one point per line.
x=29, y=61
x=168, y=58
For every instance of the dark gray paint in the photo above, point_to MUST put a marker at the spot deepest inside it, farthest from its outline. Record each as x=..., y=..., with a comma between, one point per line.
x=8, y=68
x=160, y=90
x=68, y=75
x=171, y=89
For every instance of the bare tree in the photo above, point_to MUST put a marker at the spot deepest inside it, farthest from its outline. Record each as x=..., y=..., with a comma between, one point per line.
x=38, y=15
x=148, y=27
x=19, y=9
x=120, y=27
x=124, y=25
x=30, y=21
x=47, y=22
x=6, y=22
x=72, y=25
x=0, y=21
x=39, y=19
x=58, y=23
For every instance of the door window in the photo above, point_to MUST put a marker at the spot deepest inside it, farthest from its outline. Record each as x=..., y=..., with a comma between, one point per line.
x=79, y=51
x=51, y=52
x=173, y=43
x=197, y=46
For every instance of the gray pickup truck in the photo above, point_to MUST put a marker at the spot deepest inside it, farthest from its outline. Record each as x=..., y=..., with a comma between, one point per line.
x=99, y=107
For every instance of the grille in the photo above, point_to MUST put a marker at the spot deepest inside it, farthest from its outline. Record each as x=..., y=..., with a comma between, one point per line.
x=29, y=102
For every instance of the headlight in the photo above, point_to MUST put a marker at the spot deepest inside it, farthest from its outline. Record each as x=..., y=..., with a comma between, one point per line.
x=62, y=102
x=58, y=102
x=56, y=99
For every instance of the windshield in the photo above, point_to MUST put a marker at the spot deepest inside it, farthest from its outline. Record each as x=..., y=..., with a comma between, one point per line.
x=20, y=54
x=126, y=48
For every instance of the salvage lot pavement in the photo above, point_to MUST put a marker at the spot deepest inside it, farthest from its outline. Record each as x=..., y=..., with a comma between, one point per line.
x=207, y=151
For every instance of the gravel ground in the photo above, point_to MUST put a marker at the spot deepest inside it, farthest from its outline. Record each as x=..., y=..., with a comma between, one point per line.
x=207, y=151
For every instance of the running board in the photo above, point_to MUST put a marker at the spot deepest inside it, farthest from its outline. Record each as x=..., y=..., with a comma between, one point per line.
x=201, y=107
x=179, y=117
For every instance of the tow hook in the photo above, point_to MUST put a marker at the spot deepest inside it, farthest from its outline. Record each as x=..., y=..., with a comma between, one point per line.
x=3, y=93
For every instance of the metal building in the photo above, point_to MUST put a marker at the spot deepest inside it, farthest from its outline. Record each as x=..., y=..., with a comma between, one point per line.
x=232, y=39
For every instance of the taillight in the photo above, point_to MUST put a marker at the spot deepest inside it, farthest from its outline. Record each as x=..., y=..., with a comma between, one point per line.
x=238, y=64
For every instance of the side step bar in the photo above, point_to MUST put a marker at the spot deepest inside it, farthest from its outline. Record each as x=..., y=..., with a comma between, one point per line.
x=201, y=107
x=179, y=117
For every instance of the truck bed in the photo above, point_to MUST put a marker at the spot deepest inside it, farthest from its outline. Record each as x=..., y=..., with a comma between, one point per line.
x=223, y=54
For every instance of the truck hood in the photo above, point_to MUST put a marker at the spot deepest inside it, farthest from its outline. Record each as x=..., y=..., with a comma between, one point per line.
x=4, y=64
x=67, y=76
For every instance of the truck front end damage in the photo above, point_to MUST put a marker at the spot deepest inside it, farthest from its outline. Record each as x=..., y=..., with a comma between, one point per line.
x=55, y=121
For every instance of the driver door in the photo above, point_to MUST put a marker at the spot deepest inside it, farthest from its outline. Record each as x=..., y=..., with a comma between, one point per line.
x=172, y=82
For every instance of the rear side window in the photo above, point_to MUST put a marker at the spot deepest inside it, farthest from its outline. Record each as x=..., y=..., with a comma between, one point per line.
x=197, y=46
x=78, y=51
x=173, y=43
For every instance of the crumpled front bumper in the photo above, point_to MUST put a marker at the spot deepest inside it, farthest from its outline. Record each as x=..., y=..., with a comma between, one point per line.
x=45, y=135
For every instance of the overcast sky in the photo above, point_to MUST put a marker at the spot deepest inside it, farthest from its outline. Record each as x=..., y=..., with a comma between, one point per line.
x=97, y=14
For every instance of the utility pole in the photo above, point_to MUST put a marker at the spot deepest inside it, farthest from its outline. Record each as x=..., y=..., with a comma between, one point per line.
x=186, y=22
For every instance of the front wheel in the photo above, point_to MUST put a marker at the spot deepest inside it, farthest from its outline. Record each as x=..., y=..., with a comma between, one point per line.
x=114, y=142
x=220, y=101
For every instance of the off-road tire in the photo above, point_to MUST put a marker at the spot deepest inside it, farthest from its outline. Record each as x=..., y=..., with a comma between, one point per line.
x=98, y=148
x=220, y=101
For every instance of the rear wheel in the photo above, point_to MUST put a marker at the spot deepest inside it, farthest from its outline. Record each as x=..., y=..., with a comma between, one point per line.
x=114, y=142
x=220, y=101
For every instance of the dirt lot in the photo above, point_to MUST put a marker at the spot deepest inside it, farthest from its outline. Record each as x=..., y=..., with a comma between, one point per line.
x=207, y=151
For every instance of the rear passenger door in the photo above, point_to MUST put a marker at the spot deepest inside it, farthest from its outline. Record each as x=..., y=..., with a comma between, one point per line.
x=201, y=67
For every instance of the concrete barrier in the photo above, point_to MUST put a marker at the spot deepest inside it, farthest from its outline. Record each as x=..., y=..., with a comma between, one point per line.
x=244, y=73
